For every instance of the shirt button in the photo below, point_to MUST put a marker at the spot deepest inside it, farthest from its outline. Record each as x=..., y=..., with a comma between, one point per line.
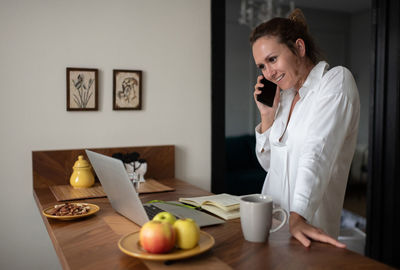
x=262, y=150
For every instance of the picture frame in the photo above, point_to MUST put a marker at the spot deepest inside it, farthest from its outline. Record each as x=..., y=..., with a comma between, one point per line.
x=127, y=89
x=82, y=89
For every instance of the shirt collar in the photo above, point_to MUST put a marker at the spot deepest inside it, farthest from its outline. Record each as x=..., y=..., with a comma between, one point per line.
x=315, y=75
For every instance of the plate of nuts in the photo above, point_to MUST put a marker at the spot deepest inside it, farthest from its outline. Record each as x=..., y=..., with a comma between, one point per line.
x=68, y=210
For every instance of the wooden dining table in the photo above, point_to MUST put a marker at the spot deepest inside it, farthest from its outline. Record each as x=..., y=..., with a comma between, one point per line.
x=92, y=242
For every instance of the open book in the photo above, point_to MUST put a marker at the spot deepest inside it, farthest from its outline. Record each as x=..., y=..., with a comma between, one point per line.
x=223, y=205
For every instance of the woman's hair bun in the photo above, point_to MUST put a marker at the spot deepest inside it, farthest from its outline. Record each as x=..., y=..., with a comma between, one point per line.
x=297, y=16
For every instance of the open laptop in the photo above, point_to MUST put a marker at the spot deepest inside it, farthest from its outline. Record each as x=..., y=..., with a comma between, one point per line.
x=125, y=200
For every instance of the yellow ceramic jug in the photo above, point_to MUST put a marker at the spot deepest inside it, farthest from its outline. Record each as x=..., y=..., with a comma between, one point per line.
x=82, y=177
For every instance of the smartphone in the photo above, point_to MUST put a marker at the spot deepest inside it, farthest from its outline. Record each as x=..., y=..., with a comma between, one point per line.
x=268, y=91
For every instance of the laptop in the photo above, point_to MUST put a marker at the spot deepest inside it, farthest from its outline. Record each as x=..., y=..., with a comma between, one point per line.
x=125, y=200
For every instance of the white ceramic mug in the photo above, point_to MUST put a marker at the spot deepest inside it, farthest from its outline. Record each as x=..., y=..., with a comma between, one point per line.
x=256, y=212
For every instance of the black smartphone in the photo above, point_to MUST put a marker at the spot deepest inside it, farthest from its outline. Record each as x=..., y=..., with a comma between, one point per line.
x=268, y=91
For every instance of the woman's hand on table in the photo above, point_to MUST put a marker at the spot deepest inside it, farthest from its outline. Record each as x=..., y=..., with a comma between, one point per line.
x=305, y=232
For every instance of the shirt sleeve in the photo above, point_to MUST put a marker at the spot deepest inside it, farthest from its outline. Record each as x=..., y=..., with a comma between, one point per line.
x=263, y=149
x=335, y=116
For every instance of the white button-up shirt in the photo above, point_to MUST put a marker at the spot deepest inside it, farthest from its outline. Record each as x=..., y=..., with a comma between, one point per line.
x=308, y=159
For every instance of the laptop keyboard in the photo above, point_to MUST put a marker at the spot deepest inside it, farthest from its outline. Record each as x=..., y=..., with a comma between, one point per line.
x=152, y=210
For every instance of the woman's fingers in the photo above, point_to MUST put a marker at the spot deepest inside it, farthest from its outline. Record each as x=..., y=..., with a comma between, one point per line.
x=305, y=232
x=302, y=239
x=256, y=89
x=319, y=235
x=327, y=239
x=258, y=84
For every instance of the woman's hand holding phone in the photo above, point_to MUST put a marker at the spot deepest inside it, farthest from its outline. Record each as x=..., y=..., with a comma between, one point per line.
x=267, y=113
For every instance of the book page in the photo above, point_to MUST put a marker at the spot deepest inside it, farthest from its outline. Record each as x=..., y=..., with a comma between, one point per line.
x=221, y=213
x=193, y=201
x=223, y=200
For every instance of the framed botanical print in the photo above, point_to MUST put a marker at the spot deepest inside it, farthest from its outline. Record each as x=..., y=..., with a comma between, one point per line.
x=127, y=89
x=82, y=89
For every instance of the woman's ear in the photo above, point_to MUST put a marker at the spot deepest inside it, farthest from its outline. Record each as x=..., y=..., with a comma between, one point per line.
x=300, y=47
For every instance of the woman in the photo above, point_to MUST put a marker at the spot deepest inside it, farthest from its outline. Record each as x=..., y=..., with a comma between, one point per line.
x=306, y=140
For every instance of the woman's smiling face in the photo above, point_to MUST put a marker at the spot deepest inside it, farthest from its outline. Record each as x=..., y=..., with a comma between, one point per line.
x=277, y=62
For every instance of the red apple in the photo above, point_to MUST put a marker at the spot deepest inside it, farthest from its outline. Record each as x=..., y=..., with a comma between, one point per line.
x=157, y=237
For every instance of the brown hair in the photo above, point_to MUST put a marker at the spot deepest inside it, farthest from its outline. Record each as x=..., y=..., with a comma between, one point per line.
x=288, y=30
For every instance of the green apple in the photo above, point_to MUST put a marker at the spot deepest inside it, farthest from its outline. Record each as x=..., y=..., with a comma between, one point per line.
x=187, y=233
x=165, y=217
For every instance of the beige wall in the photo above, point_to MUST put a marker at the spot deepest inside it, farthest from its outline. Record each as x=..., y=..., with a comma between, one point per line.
x=169, y=40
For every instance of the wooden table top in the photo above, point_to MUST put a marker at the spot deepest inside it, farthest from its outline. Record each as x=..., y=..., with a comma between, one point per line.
x=91, y=243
